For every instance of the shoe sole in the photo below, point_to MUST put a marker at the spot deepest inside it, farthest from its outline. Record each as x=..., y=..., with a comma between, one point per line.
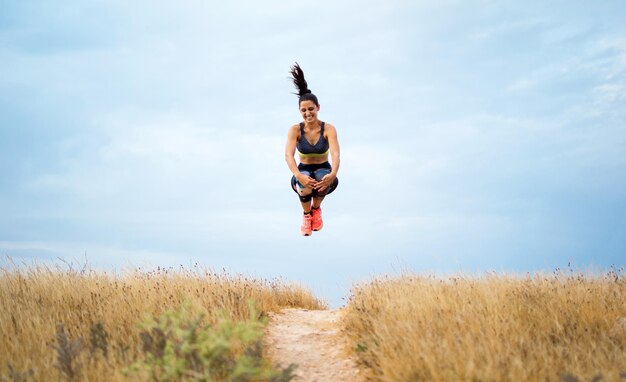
x=318, y=229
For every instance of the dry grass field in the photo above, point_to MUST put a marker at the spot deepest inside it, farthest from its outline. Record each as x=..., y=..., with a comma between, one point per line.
x=83, y=325
x=564, y=326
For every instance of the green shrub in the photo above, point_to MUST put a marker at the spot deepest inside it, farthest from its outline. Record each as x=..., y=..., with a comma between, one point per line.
x=180, y=346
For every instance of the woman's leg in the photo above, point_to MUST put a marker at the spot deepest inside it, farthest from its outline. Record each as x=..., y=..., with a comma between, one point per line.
x=310, y=199
x=306, y=206
x=305, y=194
x=316, y=201
x=318, y=197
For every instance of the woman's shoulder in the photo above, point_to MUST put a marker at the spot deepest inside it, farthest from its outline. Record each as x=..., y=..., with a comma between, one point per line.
x=329, y=127
x=294, y=130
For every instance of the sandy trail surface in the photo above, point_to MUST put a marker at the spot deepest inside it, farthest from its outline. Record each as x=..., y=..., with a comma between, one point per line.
x=312, y=340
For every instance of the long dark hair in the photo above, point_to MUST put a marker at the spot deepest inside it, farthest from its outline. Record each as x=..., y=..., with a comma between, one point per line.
x=304, y=94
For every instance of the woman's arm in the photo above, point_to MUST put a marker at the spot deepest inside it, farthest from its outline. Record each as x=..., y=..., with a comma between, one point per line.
x=333, y=143
x=290, y=151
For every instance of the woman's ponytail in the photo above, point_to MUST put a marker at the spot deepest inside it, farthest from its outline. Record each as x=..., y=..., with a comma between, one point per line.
x=303, y=93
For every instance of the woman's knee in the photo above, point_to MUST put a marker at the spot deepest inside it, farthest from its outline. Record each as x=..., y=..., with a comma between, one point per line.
x=330, y=188
x=320, y=173
x=299, y=188
x=304, y=191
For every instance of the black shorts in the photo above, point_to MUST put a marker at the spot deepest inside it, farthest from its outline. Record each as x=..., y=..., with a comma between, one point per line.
x=317, y=172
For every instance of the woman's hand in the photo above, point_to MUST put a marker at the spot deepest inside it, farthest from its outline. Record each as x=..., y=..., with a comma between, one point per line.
x=326, y=181
x=307, y=181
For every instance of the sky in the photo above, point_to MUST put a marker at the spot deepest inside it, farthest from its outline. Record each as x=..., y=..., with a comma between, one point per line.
x=475, y=136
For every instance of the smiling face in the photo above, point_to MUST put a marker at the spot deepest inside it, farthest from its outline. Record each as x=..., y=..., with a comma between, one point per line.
x=309, y=110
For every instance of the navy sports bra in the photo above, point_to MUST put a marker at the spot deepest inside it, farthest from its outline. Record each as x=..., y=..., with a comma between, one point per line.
x=306, y=149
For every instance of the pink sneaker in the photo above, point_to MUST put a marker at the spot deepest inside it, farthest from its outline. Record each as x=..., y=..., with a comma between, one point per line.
x=316, y=219
x=305, y=228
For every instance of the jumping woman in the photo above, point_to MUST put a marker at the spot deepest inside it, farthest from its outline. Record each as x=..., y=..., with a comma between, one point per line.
x=313, y=178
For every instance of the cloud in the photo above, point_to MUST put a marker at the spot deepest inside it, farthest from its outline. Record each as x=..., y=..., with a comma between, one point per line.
x=139, y=154
x=81, y=254
x=160, y=131
x=508, y=28
x=610, y=93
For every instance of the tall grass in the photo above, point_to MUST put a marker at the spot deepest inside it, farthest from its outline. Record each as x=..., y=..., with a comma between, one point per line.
x=565, y=326
x=48, y=313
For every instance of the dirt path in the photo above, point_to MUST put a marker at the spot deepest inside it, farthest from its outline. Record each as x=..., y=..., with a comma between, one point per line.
x=312, y=340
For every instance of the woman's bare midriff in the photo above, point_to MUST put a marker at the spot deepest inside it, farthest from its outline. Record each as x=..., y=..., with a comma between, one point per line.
x=314, y=160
